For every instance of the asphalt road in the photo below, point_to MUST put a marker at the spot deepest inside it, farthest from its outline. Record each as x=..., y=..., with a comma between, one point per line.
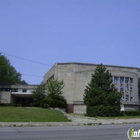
x=99, y=132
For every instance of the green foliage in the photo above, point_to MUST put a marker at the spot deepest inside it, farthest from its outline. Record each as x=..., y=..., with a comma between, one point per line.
x=10, y=104
x=54, y=88
x=8, y=74
x=130, y=113
x=49, y=95
x=60, y=102
x=23, y=82
x=139, y=86
x=38, y=95
x=103, y=111
x=32, y=105
x=54, y=94
x=45, y=106
x=101, y=91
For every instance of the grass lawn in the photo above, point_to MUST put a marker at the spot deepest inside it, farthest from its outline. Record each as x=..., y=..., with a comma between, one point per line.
x=22, y=114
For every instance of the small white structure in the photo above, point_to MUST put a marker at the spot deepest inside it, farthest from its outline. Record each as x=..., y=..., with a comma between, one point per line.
x=17, y=94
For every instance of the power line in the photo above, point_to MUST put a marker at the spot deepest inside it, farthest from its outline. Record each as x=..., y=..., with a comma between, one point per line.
x=43, y=76
x=58, y=77
x=41, y=64
x=28, y=60
x=32, y=75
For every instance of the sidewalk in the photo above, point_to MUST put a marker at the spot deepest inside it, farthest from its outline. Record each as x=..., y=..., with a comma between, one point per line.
x=76, y=120
x=97, y=121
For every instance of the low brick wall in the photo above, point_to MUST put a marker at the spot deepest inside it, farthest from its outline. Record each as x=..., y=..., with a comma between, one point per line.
x=69, y=108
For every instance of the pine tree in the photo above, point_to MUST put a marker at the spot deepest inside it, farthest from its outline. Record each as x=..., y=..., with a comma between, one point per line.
x=101, y=90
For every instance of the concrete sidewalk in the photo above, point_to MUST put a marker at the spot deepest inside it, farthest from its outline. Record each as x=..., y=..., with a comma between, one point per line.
x=76, y=120
x=93, y=120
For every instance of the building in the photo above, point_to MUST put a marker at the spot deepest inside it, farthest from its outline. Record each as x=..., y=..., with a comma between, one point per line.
x=77, y=75
x=17, y=94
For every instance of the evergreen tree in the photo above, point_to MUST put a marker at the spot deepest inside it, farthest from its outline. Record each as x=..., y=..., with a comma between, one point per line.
x=101, y=90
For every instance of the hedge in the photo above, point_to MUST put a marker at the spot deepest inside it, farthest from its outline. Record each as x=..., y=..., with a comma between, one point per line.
x=103, y=111
x=130, y=113
x=10, y=104
x=54, y=102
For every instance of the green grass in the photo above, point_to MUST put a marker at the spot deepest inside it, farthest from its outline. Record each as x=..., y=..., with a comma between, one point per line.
x=22, y=114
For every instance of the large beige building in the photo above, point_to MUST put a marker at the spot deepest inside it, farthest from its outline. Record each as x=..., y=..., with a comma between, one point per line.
x=77, y=75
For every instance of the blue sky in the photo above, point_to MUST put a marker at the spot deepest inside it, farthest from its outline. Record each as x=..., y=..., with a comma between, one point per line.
x=50, y=31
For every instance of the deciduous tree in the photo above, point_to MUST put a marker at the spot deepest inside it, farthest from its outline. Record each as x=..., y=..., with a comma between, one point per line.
x=8, y=74
x=50, y=94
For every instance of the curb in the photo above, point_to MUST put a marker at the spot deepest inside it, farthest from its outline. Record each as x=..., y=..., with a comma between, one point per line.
x=49, y=124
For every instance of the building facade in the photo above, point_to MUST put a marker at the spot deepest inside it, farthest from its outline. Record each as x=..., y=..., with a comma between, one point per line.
x=76, y=76
x=17, y=94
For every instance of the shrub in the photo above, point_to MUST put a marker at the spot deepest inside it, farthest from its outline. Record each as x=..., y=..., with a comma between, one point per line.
x=34, y=105
x=130, y=113
x=10, y=104
x=54, y=102
x=45, y=106
x=57, y=103
x=18, y=105
x=103, y=111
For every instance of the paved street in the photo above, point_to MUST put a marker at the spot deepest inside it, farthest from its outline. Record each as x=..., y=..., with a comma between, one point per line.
x=98, y=132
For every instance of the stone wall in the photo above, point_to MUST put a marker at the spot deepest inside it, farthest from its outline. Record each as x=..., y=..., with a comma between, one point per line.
x=79, y=109
x=131, y=107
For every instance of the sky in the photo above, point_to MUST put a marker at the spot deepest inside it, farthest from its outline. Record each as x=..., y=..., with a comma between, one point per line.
x=51, y=31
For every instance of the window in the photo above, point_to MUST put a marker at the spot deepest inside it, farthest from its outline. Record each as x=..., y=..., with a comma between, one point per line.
x=51, y=78
x=24, y=90
x=14, y=90
x=125, y=85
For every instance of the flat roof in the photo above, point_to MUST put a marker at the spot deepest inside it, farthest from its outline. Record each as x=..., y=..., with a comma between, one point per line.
x=78, y=63
x=18, y=86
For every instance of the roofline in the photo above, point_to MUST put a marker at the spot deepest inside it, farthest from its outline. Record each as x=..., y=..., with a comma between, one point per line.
x=20, y=85
x=78, y=63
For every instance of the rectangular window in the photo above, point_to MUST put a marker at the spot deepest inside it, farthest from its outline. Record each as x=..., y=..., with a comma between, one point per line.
x=116, y=80
x=14, y=90
x=131, y=82
x=125, y=86
x=52, y=77
x=126, y=80
x=24, y=90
